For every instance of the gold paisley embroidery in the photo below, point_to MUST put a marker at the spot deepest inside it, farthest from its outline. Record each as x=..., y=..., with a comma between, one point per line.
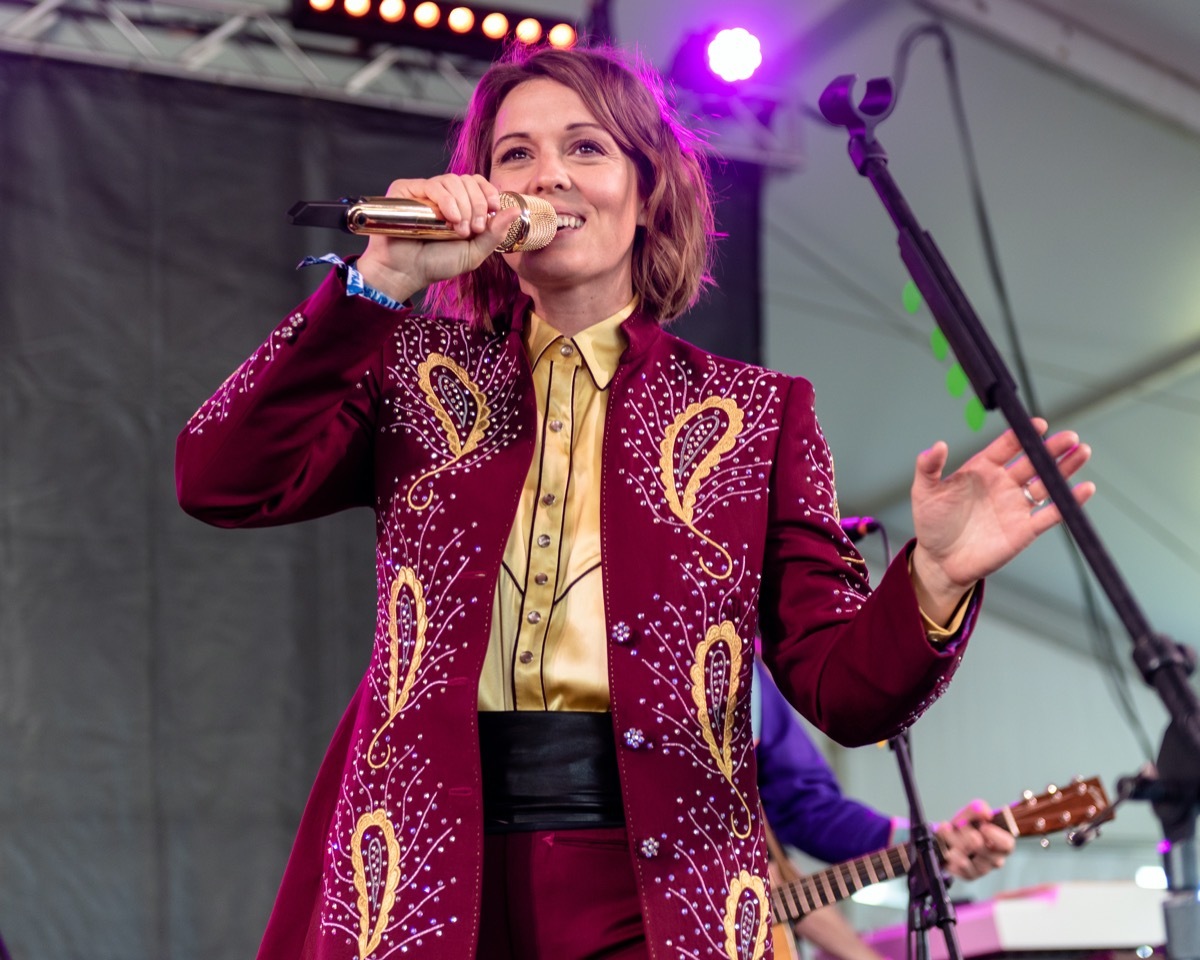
x=688, y=455
x=716, y=674
x=746, y=918
x=464, y=421
x=376, y=876
x=407, y=611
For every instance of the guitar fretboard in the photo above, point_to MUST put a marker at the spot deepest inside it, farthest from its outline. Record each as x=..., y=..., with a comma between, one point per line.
x=1053, y=810
x=793, y=901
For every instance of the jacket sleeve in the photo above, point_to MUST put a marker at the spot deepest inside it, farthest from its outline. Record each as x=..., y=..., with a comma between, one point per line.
x=856, y=663
x=288, y=435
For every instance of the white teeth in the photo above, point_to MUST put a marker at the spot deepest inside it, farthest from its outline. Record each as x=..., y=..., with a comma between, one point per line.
x=566, y=221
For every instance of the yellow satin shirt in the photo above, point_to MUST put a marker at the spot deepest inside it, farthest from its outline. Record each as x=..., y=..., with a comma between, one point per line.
x=548, y=649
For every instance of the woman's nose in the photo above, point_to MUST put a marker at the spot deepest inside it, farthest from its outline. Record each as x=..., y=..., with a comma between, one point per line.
x=551, y=174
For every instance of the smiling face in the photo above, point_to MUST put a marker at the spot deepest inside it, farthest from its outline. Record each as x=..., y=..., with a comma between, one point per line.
x=546, y=143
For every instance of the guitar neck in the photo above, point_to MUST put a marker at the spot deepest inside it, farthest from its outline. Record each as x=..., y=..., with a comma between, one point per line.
x=1032, y=816
x=795, y=900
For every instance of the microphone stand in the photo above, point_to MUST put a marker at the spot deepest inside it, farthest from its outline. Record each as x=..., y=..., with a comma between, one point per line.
x=1163, y=664
x=928, y=887
x=928, y=896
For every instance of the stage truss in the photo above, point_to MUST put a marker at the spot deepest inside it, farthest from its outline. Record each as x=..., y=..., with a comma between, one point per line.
x=248, y=45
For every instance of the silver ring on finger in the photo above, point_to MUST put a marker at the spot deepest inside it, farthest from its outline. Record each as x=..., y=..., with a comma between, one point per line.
x=1034, y=503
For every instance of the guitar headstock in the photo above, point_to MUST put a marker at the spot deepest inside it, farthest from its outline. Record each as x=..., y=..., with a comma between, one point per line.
x=1056, y=809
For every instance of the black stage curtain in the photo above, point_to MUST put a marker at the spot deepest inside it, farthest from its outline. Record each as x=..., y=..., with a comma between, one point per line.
x=167, y=689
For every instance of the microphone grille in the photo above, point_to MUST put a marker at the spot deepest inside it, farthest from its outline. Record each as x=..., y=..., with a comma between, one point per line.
x=534, y=229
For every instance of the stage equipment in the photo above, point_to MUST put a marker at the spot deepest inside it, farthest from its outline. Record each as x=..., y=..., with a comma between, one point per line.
x=1163, y=663
x=715, y=60
x=475, y=31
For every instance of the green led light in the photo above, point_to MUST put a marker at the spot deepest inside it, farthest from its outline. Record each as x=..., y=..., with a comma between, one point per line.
x=956, y=381
x=911, y=297
x=956, y=378
x=939, y=344
x=975, y=414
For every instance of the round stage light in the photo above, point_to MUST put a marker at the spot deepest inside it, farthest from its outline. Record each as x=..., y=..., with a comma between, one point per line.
x=460, y=20
x=391, y=10
x=321, y=6
x=357, y=8
x=529, y=30
x=494, y=26
x=427, y=14
x=734, y=54
x=561, y=35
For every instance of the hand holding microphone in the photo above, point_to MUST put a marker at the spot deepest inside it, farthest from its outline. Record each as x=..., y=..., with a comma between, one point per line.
x=533, y=229
x=400, y=261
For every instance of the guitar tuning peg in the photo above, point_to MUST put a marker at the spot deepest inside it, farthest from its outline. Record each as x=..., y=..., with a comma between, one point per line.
x=1045, y=842
x=1051, y=788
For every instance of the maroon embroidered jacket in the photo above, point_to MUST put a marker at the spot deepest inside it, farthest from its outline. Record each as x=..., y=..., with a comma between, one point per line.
x=717, y=498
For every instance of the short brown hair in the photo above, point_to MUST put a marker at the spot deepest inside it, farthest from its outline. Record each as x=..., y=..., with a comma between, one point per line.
x=673, y=253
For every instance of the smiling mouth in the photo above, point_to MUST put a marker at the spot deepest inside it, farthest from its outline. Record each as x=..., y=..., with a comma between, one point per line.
x=568, y=222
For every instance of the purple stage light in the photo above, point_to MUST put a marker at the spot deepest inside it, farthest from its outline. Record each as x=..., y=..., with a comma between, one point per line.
x=734, y=54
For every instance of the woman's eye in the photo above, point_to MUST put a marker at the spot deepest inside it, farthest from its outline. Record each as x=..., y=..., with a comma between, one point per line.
x=589, y=146
x=513, y=153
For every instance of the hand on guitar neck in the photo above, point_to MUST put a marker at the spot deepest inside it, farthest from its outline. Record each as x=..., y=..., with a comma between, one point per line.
x=1056, y=809
x=971, y=844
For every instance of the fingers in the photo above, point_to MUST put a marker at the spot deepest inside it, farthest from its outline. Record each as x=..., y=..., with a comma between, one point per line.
x=1064, y=447
x=974, y=846
x=1006, y=446
x=1072, y=456
x=931, y=463
x=1049, y=515
x=464, y=202
x=470, y=205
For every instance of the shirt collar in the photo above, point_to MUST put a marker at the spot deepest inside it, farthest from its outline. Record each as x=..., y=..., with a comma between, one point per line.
x=600, y=346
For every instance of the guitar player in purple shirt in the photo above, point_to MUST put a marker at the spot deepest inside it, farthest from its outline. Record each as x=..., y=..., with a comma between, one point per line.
x=806, y=809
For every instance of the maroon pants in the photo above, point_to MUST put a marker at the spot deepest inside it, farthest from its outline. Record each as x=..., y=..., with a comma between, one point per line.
x=560, y=895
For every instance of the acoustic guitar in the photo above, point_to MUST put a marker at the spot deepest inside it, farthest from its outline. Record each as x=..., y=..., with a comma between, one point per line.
x=1056, y=809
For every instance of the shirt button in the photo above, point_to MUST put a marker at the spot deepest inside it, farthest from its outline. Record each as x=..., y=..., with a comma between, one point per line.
x=543, y=540
x=566, y=349
x=533, y=617
x=556, y=425
x=526, y=657
x=549, y=499
x=541, y=579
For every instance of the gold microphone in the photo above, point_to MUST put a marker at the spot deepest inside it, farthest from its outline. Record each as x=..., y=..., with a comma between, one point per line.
x=417, y=220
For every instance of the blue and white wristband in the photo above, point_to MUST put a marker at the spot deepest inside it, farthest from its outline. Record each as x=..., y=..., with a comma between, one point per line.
x=355, y=285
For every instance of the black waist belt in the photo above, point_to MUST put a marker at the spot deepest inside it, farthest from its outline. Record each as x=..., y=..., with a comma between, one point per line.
x=549, y=770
